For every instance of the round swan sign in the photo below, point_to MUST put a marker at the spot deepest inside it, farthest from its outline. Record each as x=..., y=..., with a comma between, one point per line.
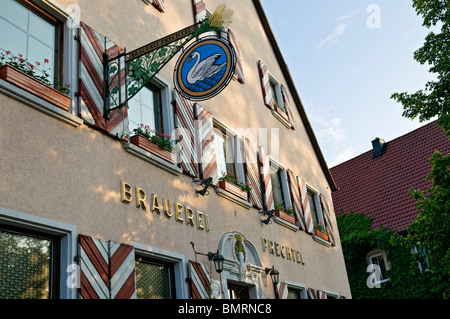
x=204, y=69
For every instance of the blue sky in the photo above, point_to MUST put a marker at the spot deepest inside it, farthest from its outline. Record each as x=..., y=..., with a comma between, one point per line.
x=346, y=58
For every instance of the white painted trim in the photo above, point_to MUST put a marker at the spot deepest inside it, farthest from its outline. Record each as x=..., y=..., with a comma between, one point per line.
x=166, y=103
x=178, y=261
x=321, y=241
x=281, y=119
x=68, y=241
x=233, y=198
x=153, y=159
x=286, y=224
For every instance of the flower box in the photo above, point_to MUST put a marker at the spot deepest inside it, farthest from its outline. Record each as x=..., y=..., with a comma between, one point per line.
x=151, y=147
x=233, y=189
x=281, y=113
x=283, y=215
x=30, y=84
x=321, y=234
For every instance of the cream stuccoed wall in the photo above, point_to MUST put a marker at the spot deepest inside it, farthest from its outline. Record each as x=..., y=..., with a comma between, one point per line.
x=73, y=175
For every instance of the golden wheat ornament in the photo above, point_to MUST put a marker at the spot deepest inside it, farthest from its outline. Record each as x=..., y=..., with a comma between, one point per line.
x=221, y=18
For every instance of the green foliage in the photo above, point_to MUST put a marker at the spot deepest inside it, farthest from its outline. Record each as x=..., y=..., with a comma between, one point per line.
x=429, y=232
x=434, y=100
x=431, y=228
x=358, y=240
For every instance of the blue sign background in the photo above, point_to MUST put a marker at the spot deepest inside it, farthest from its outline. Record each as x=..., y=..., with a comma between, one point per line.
x=204, y=69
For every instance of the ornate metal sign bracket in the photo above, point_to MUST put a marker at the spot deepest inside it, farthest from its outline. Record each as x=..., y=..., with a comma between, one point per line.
x=127, y=73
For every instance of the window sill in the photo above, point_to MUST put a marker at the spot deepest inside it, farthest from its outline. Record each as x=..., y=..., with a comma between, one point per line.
x=281, y=119
x=321, y=241
x=286, y=224
x=39, y=104
x=233, y=198
x=153, y=159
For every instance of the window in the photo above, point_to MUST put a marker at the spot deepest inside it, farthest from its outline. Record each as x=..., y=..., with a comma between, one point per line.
x=154, y=279
x=27, y=30
x=238, y=292
x=378, y=259
x=224, y=151
x=228, y=154
x=277, y=94
x=331, y=295
x=422, y=258
x=28, y=265
x=295, y=291
x=146, y=108
x=275, y=175
x=293, y=294
x=316, y=211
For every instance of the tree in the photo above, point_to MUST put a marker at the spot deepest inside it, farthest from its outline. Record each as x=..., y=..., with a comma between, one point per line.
x=430, y=230
x=434, y=100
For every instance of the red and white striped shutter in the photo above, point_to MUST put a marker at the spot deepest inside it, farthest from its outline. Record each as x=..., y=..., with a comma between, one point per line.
x=307, y=214
x=253, y=172
x=185, y=134
x=107, y=269
x=239, y=70
x=91, y=82
x=327, y=216
x=205, y=142
x=287, y=104
x=282, y=290
x=122, y=271
x=296, y=199
x=199, y=280
x=158, y=4
x=199, y=10
x=265, y=84
x=316, y=294
x=266, y=180
x=94, y=268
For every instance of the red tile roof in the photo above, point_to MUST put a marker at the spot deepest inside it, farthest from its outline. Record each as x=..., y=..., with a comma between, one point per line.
x=379, y=187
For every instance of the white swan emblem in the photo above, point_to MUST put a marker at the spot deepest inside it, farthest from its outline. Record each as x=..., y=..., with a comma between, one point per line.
x=204, y=69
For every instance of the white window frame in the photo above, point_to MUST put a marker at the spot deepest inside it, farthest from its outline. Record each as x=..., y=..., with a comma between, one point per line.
x=378, y=253
x=296, y=286
x=316, y=198
x=69, y=66
x=284, y=182
x=288, y=202
x=168, y=117
x=278, y=92
x=68, y=243
x=280, y=100
x=177, y=260
x=238, y=160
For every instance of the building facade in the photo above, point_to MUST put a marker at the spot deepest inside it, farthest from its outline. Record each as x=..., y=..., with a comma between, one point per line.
x=88, y=211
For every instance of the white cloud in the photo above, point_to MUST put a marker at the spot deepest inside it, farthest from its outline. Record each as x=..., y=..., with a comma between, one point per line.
x=339, y=30
x=330, y=130
x=348, y=15
x=344, y=156
x=334, y=36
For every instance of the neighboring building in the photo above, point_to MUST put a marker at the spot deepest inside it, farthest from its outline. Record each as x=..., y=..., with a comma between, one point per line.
x=79, y=198
x=376, y=183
